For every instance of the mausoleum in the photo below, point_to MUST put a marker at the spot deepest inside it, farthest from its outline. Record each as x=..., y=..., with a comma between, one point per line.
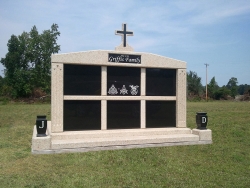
x=117, y=99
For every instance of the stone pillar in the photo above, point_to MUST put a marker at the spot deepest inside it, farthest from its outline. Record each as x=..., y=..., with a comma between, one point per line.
x=143, y=102
x=56, y=97
x=104, y=102
x=143, y=82
x=104, y=115
x=181, y=79
x=143, y=114
x=104, y=81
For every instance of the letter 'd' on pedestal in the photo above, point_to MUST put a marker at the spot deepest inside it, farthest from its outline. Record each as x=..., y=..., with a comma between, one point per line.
x=201, y=120
x=41, y=125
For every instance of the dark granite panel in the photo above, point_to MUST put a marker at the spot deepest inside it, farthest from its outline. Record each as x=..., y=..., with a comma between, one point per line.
x=82, y=80
x=123, y=81
x=160, y=114
x=160, y=82
x=123, y=114
x=81, y=115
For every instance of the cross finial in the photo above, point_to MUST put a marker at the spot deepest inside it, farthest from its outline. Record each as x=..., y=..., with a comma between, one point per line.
x=124, y=33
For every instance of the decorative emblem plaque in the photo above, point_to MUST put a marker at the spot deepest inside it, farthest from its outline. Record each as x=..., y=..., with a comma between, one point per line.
x=134, y=90
x=123, y=90
x=112, y=90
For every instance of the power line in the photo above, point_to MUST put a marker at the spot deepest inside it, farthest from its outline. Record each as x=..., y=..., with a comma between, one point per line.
x=206, y=79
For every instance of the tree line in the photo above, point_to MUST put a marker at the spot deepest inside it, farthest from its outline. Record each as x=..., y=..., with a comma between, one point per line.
x=28, y=63
x=195, y=90
x=28, y=69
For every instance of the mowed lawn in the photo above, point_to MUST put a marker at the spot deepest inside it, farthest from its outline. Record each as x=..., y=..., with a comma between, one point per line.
x=225, y=163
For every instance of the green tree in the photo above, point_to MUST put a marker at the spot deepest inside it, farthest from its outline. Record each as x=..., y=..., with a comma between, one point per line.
x=41, y=47
x=222, y=93
x=1, y=84
x=232, y=86
x=27, y=63
x=243, y=89
x=212, y=87
x=194, y=85
x=15, y=62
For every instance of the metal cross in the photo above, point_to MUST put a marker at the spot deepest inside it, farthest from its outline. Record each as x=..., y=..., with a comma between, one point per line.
x=124, y=33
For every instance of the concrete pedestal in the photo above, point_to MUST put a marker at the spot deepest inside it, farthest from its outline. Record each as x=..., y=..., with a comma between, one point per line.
x=204, y=134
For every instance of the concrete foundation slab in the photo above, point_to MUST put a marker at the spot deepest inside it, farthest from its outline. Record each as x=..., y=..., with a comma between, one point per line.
x=84, y=141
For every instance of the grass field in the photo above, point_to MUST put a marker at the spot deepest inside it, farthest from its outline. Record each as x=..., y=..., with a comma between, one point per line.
x=225, y=163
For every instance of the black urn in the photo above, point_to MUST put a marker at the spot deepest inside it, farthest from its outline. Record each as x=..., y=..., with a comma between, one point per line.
x=201, y=120
x=41, y=125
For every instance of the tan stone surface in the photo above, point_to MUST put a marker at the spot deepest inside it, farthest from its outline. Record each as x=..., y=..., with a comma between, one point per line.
x=143, y=81
x=119, y=133
x=115, y=97
x=104, y=81
x=105, y=138
x=96, y=142
x=41, y=143
x=57, y=97
x=104, y=114
x=143, y=114
x=121, y=48
x=100, y=57
x=181, y=98
x=84, y=141
x=204, y=135
x=116, y=147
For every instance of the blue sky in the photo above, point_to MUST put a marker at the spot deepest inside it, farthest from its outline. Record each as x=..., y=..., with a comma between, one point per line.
x=216, y=32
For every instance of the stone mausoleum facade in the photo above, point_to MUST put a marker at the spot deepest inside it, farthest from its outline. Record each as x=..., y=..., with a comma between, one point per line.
x=114, y=99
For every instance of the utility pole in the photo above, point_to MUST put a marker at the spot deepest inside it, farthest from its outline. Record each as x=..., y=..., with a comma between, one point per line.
x=206, y=79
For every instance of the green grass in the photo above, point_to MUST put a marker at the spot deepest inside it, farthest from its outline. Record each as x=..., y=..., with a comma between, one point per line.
x=225, y=163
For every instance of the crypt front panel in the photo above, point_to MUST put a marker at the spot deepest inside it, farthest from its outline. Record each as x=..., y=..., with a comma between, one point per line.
x=82, y=115
x=123, y=81
x=160, y=82
x=82, y=80
x=123, y=114
x=160, y=114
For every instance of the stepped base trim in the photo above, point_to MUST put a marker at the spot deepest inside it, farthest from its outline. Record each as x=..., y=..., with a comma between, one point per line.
x=85, y=141
x=132, y=146
x=122, y=141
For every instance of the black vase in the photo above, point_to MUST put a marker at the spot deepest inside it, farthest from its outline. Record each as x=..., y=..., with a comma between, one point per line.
x=41, y=125
x=201, y=120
